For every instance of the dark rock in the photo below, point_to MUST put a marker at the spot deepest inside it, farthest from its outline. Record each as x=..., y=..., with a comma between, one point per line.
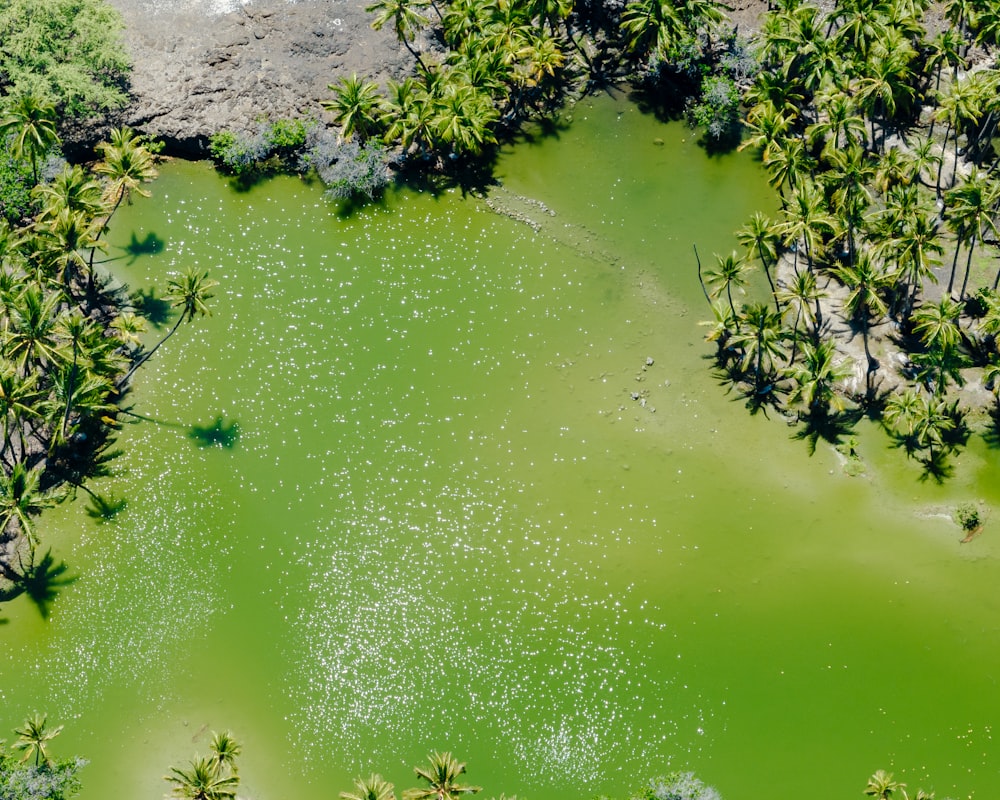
x=198, y=70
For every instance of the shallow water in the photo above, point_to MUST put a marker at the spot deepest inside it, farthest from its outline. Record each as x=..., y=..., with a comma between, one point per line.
x=444, y=523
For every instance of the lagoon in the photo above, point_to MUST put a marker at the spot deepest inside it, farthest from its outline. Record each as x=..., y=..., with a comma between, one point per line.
x=443, y=522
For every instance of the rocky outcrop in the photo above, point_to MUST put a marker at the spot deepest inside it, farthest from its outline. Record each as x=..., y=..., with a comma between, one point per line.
x=204, y=65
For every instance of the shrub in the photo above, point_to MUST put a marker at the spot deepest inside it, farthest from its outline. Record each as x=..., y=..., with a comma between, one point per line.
x=20, y=781
x=360, y=170
x=16, y=203
x=678, y=786
x=65, y=52
x=967, y=515
x=718, y=111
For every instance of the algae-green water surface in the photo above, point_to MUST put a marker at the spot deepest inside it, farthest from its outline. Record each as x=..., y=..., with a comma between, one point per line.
x=432, y=516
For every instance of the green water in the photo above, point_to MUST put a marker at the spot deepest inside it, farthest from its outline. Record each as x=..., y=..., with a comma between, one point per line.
x=446, y=524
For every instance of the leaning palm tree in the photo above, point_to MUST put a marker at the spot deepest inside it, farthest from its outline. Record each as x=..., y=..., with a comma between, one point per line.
x=761, y=339
x=34, y=737
x=729, y=271
x=441, y=775
x=190, y=292
x=201, y=782
x=814, y=382
x=374, y=787
x=866, y=283
x=32, y=124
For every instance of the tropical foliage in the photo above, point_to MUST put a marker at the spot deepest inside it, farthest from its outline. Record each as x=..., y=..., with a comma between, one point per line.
x=35, y=775
x=66, y=53
x=68, y=343
x=214, y=777
x=882, y=145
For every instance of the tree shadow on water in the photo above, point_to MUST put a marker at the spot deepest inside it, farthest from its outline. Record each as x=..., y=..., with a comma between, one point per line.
x=155, y=310
x=831, y=428
x=217, y=434
x=42, y=582
x=149, y=245
x=102, y=508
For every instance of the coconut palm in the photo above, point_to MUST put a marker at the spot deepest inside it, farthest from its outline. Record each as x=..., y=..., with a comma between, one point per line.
x=937, y=324
x=127, y=164
x=225, y=750
x=406, y=20
x=19, y=398
x=32, y=329
x=72, y=190
x=787, y=164
x=190, y=293
x=464, y=118
x=201, y=782
x=760, y=234
x=838, y=116
x=766, y=127
x=886, y=89
x=970, y=208
x=761, y=339
x=441, y=776
x=807, y=223
x=21, y=498
x=34, y=737
x=802, y=294
x=865, y=282
x=729, y=271
x=881, y=785
x=956, y=108
x=914, y=249
x=31, y=123
x=651, y=26
x=374, y=787
x=355, y=107
x=814, y=382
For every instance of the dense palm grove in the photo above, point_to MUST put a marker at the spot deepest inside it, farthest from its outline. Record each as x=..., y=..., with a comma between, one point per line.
x=880, y=137
x=68, y=343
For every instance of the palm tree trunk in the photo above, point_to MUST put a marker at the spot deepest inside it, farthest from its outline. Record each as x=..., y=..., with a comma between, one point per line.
x=968, y=266
x=944, y=149
x=149, y=355
x=954, y=261
x=770, y=281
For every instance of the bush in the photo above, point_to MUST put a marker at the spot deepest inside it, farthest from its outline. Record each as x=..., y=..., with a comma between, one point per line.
x=272, y=147
x=65, y=52
x=19, y=781
x=968, y=517
x=678, y=786
x=718, y=111
x=16, y=204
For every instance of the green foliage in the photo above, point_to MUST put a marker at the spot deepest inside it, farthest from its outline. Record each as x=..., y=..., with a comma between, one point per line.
x=718, y=110
x=677, y=786
x=58, y=781
x=272, y=147
x=66, y=52
x=968, y=517
x=16, y=203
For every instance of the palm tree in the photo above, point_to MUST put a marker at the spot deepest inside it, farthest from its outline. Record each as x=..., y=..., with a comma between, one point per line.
x=406, y=20
x=72, y=190
x=762, y=342
x=34, y=737
x=915, y=249
x=866, y=282
x=464, y=119
x=190, y=292
x=802, y=294
x=32, y=329
x=441, y=776
x=225, y=749
x=202, y=782
x=21, y=498
x=807, y=221
x=19, y=398
x=355, y=106
x=881, y=785
x=32, y=123
x=729, y=271
x=374, y=787
x=127, y=164
x=760, y=234
x=651, y=25
x=816, y=379
x=937, y=324
x=956, y=107
x=970, y=209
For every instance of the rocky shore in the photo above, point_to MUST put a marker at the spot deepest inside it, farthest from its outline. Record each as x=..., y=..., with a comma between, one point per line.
x=204, y=65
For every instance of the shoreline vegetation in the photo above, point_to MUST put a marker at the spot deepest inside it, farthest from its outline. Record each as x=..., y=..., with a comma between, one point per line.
x=876, y=122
